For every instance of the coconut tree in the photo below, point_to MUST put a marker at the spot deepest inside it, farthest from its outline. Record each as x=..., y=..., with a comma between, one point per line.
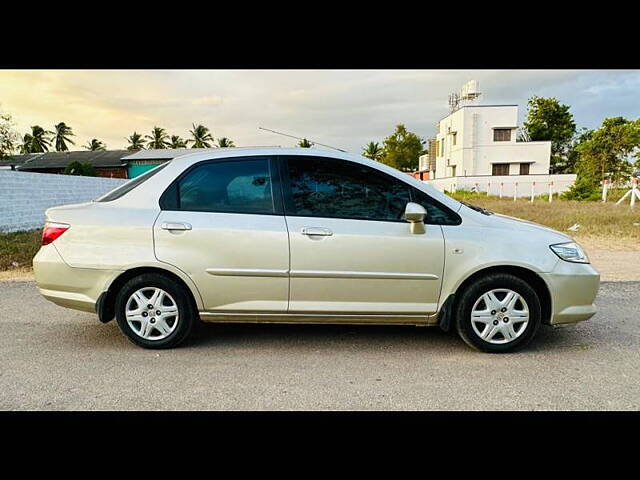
x=177, y=142
x=373, y=151
x=304, y=143
x=95, y=145
x=27, y=143
x=39, y=140
x=135, y=142
x=224, y=142
x=157, y=139
x=202, y=138
x=61, y=137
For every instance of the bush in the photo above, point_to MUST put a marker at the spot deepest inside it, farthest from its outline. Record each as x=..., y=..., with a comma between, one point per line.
x=77, y=168
x=584, y=188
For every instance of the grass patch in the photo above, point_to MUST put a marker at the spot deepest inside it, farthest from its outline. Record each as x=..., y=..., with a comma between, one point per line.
x=18, y=249
x=603, y=221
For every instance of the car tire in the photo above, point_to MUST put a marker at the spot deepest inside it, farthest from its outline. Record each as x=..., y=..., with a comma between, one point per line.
x=167, y=324
x=481, y=321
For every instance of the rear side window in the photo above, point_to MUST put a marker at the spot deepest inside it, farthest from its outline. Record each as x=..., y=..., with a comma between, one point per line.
x=130, y=185
x=230, y=186
x=325, y=187
x=437, y=213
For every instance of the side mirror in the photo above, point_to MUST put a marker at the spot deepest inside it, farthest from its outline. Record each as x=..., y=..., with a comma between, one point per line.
x=414, y=214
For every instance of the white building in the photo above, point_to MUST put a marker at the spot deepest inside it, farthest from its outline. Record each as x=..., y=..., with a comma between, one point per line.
x=479, y=140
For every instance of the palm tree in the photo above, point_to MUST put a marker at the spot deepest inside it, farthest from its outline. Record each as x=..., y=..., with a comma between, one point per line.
x=177, y=142
x=224, y=142
x=373, y=151
x=201, y=136
x=135, y=142
x=61, y=137
x=304, y=143
x=157, y=139
x=39, y=140
x=27, y=143
x=95, y=145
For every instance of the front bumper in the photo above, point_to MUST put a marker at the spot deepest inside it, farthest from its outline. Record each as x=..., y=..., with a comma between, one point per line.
x=573, y=288
x=77, y=288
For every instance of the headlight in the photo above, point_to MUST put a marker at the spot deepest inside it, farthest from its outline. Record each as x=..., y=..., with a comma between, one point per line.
x=570, y=252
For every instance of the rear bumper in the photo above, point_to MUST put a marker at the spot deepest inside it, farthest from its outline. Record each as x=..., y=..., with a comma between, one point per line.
x=573, y=288
x=77, y=288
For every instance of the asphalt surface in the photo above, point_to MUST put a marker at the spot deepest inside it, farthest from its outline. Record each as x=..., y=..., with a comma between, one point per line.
x=52, y=358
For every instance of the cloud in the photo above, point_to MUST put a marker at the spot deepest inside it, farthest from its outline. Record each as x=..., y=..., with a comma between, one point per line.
x=344, y=108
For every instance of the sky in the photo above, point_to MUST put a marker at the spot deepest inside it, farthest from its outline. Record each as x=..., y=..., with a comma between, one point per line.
x=342, y=108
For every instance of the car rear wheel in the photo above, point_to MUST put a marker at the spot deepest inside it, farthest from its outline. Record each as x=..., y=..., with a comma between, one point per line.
x=154, y=312
x=498, y=313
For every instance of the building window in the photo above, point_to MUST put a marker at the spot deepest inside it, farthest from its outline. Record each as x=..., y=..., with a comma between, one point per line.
x=501, y=134
x=454, y=137
x=524, y=168
x=453, y=171
x=500, y=169
x=442, y=148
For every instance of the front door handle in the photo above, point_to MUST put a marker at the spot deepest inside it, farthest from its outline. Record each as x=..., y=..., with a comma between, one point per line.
x=317, y=231
x=176, y=226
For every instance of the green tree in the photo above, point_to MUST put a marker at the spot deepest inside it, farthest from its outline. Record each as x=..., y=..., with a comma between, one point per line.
x=77, y=168
x=95, y=145
x=61, y=136
x=304, y=143
x=9, y=138
x=373, y=150
x=177, y=142
x=605, y=153
x=27, y=143
x=549, y=120
x=401, y=149
x=39, y=140
x=158, y=139
x=136, y=141
x=224, y=142
x=202, y=138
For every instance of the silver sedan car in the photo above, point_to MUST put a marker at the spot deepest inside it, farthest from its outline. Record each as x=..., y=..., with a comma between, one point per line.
x=306, y=236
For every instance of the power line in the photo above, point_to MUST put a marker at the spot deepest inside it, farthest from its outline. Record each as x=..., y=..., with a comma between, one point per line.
x=298, y=138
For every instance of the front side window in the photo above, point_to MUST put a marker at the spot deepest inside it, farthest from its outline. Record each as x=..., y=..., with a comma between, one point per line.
x=501, y=134
x=325, y=187
x=232, y=186
x=437, y=213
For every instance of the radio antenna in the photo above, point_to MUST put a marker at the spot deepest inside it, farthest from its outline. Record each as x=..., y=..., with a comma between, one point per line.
x=298, y=138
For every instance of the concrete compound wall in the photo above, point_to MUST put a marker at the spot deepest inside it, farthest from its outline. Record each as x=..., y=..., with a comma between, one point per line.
x=24, y=196
x=507, y=185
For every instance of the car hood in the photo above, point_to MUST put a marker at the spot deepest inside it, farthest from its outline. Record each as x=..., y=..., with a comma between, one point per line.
x=497, y=220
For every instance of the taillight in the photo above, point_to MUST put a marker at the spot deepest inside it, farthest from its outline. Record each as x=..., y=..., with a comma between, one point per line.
x=52, y=231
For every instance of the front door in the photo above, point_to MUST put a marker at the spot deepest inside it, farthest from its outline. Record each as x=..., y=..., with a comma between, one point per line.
x=220, y=224
x=351, y=250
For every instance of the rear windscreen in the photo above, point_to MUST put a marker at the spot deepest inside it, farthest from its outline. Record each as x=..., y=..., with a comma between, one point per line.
x=130, y=185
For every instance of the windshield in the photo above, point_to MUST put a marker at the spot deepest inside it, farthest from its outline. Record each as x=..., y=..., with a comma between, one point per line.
x=484, y=211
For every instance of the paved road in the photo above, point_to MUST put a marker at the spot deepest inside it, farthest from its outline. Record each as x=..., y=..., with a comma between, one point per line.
x=57, y=359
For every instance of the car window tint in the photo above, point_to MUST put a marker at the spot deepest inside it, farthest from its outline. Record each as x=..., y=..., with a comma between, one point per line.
x=324, y=187
x=235, y=186
x=437, y=214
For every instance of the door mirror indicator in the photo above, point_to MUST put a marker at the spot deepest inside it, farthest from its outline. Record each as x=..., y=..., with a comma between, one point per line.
x=415, y=214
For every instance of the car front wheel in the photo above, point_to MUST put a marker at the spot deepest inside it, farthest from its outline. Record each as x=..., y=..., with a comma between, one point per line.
x=498, y=313
x=154, y=311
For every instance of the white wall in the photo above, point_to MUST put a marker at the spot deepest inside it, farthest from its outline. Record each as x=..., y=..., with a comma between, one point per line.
x=492, y=184
x=24, y=196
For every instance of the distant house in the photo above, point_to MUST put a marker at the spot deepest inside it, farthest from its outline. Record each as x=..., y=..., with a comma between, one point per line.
x=106, y=164
x=14, y=161
x=143, y=160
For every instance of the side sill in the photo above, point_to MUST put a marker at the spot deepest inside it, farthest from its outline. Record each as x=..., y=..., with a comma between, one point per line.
x=311, y=318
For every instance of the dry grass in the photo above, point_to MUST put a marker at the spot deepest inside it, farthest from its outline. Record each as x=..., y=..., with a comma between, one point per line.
x=17, y=250
x=602, y=225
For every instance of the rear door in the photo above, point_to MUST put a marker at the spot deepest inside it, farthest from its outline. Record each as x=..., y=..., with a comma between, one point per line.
x=222, y=224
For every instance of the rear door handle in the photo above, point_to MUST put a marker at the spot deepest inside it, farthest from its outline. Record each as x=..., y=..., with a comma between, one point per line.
x=317, y=231
x=176, y=226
